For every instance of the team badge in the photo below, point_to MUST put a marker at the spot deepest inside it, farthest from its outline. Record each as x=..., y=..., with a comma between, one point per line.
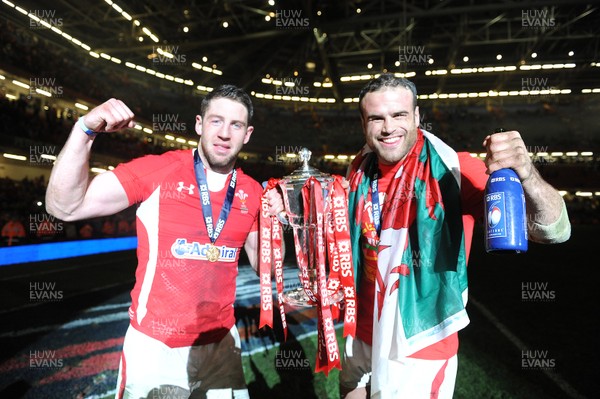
x=242, y=196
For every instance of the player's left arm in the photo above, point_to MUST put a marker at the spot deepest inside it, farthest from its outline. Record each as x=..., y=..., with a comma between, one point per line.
x=548, y=221
x=251, y=248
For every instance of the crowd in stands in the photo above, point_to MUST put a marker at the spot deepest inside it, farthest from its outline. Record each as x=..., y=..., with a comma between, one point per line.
x=24, y=220
x=80, y=74
x=23, y=125
x=568, y=124
x=583, y=210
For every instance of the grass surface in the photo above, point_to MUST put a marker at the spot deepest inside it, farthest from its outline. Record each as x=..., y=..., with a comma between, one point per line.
x=493, y=372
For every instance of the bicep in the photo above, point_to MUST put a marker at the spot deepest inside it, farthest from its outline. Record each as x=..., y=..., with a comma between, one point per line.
x=105, y=196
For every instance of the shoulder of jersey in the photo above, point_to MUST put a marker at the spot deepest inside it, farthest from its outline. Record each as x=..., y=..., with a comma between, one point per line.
x=250, y=181
x=173, y=156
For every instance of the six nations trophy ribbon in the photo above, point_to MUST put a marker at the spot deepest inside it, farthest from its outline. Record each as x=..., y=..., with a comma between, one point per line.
x=316, y=207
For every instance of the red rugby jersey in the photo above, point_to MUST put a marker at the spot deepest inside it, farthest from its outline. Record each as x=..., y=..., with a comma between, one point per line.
x=180, y=297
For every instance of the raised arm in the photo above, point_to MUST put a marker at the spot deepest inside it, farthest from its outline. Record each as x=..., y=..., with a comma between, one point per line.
x=548, y=221
x=70, y=194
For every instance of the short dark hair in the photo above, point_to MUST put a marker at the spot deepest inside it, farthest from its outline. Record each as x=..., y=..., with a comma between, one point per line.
x=384, y=81
x=231, y=92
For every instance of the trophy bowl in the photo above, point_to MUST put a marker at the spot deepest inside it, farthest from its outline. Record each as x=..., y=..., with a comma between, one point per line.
x=303, y=222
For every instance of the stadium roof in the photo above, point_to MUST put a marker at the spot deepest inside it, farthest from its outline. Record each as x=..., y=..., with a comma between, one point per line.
x=327, y=49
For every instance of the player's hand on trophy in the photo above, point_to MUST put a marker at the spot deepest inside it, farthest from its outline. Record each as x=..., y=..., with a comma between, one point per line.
x=109, y=116
x=345, y=185
x=275, y=200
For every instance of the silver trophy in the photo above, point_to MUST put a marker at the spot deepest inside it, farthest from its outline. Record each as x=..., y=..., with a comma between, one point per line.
x=304, y=229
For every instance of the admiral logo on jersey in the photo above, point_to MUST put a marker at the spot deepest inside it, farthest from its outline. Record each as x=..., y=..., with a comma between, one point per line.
x=181, y=249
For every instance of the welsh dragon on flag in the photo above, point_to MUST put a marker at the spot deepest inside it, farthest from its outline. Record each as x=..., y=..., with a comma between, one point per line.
x=421, y=280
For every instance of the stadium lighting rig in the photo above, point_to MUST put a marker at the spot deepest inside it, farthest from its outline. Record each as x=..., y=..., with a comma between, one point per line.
x=164, y=52
x=78, y=104
x=155, y=39
x=108, y=57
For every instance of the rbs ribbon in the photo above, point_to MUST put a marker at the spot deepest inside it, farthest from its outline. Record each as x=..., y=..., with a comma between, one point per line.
x=325, y=242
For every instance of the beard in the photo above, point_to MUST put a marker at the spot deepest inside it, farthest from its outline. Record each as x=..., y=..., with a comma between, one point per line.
x=218, y=163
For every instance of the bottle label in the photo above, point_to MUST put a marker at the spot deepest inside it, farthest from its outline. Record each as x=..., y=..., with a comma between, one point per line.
x=496, y=215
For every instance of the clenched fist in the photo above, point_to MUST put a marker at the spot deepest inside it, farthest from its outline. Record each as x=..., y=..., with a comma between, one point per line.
x=507, y=150
x=109, y=116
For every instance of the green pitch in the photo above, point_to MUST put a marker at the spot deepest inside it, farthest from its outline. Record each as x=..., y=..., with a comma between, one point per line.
x=489, y=367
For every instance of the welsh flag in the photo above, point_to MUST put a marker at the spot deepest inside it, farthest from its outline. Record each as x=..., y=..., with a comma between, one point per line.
x=421, y=282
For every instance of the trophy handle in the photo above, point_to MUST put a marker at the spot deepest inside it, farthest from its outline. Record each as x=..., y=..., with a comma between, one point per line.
x=282, y=216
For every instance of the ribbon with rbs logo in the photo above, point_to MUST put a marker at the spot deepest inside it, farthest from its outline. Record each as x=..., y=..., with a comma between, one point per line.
x=330, y=235
x=212, y=252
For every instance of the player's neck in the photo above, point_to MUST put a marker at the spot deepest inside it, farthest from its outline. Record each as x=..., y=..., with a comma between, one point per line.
x=222, y=170
x=216, y=177
x=216, y=181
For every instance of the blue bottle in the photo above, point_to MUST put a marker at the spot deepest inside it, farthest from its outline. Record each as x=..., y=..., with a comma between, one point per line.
x=505, y=216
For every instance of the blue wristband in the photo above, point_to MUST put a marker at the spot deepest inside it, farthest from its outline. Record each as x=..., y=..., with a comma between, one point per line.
x=83, y=127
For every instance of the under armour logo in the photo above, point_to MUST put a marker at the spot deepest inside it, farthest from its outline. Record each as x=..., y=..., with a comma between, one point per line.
x=189, y=189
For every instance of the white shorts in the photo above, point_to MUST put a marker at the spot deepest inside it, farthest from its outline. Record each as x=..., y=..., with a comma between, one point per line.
x=149, y=369
x=413, y=378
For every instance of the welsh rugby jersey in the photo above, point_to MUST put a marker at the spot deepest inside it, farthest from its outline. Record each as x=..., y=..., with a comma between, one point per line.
x=180, y=297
